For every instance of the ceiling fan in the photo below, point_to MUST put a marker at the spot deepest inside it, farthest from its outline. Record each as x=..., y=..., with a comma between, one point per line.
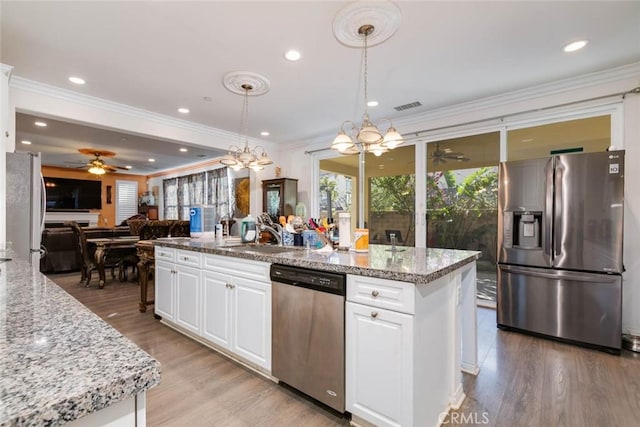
x=442, y=156
x=97, y=166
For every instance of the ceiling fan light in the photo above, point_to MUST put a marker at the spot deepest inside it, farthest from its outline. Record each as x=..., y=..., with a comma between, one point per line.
x=392, y=139
x=96, y=170
x=342, y=142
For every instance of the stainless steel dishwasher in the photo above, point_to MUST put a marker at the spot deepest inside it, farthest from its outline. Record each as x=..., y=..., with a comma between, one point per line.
x=308, y=332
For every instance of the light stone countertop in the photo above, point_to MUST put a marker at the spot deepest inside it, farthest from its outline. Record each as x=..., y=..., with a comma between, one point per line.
x=415, y=265
x=58, y=360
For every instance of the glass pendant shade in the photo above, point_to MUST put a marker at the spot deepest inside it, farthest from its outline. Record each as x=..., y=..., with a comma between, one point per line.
x=392, y=139
x=264, y=159
x=369, y=134
x=228, y=160
x=342, y=142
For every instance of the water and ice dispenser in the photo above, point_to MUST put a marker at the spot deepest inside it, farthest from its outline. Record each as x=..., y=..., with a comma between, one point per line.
x=523, y=229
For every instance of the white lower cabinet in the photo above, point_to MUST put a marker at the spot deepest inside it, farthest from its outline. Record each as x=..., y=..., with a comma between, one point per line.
x=188, y=298
x=379, y=365
x=251, y=321
x=217, y=299
x=178, y=288
x=237, y=307
x=227, y=302
x=165, y=285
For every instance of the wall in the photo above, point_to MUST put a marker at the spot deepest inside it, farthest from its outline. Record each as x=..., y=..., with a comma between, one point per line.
x=108, y=212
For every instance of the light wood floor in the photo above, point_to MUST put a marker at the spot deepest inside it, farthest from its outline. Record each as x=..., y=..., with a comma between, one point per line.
x=523, y=381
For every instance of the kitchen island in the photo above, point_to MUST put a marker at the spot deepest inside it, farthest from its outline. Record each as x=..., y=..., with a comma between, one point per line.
x=410, y=317
x=60, y=363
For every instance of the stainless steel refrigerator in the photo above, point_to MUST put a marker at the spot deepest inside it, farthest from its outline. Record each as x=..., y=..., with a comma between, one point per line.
x=560, y=223
x=25, y=198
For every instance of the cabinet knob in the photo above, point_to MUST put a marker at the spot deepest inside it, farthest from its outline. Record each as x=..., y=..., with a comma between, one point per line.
x=230, y=286
x=375, y=293
x=374, y=314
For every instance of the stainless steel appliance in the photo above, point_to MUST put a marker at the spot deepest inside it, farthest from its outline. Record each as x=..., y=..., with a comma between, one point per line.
x=25, y=205
x=308, y=332
x=560, y=247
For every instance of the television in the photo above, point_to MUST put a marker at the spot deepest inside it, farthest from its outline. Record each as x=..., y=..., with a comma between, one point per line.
x=72, y=194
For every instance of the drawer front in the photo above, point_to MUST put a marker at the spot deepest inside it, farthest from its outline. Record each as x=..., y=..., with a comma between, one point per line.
x=192, y=259
x=166, y=254
x=389, y=294
x=249, y=269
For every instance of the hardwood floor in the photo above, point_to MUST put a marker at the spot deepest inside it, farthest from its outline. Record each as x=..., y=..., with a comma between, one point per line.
x=523, y=380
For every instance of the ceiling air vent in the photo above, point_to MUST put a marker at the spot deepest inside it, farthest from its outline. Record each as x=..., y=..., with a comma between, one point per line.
x=407, y=106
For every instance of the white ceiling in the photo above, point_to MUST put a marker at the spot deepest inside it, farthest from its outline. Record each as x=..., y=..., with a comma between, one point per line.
x=159, y=56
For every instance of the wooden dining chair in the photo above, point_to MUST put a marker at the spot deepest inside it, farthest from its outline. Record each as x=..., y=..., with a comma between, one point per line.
x=87, y=255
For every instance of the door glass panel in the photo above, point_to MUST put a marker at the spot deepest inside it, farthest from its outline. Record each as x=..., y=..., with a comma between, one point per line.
x=462, y=201
x=338, y=190
x=390, y=196
x=582, y=135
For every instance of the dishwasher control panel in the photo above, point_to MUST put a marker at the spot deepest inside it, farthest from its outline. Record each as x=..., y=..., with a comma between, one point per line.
x=323, y=281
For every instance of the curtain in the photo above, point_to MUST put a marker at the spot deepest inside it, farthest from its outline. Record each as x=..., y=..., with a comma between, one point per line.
x=219, y=192
x=190, y=193
x=170, y=196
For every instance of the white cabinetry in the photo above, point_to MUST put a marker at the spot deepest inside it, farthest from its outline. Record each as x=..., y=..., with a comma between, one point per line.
x=178, y=287
x=165, y=282
x=237, y=307
x=400, y=350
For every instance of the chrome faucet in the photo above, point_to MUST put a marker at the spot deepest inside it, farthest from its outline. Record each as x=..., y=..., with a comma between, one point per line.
x=265, y=224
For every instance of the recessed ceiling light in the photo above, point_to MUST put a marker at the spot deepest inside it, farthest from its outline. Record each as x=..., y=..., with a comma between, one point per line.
x=77, y=80
x=577, y=45
x=40, y=124
x=184, y=150
x=26, y=142
x=183, y=110
x=265, y=133
x=293, y=55
x=128, y=166
x=152, y=160
x=372, y=103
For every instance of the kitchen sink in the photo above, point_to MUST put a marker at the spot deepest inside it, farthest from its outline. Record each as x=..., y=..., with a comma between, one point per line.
x=263, y=249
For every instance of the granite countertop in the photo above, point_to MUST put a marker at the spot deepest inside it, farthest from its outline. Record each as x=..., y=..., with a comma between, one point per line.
x=408, y=264
x=58, y=360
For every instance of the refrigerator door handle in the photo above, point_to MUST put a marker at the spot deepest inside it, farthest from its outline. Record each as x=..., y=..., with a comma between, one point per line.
x=548, y=217
x=558, y=231
x=556, y=275
x=43, y=202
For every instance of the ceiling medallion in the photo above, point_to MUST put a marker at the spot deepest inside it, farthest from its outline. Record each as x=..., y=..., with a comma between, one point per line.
x=236, y=80
x=384, y=16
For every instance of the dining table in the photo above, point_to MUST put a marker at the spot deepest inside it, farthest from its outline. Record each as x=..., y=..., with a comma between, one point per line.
x=121, y=247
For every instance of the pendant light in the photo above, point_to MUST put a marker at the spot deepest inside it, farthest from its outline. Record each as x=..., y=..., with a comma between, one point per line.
x=353, y=139
x=238, y=158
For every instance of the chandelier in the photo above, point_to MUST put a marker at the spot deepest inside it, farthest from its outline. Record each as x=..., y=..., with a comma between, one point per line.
x=238, y=158
x=368, y=138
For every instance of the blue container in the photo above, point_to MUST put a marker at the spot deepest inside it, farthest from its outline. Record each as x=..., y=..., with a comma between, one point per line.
x=309, y=236
x=202, y=221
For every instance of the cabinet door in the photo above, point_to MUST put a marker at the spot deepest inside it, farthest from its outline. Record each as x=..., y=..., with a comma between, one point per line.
x=252, y=321
x=217, y=295
x=379, y=365
x=164, y=278
x=188, y=298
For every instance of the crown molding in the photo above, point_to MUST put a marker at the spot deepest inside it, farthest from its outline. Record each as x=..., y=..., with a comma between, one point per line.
x=6, y=69
x=585, y=81
x=127, y=110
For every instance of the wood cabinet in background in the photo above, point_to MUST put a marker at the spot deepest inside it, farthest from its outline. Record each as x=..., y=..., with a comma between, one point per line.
x=279, y=196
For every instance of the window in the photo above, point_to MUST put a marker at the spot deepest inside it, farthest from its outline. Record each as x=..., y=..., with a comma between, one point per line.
x=170, y=197
x=219, y=192
x=126, y=200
